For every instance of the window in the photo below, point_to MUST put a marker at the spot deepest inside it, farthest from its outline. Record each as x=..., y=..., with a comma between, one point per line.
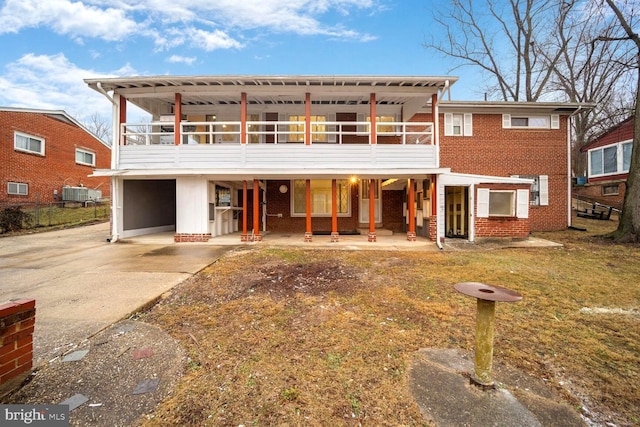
x=530, y=122
x=223, y=196
x=31, y=144
x=501, y=203
x=610, y=160
x=595, y=159
x=18, y=188
x=539, y=195
x=458, y=124
x=382, y=128
x=611, y=190
x=85, y=157
x=626, y=156
x=318, y=129
x=254, y=129
x=321, y=200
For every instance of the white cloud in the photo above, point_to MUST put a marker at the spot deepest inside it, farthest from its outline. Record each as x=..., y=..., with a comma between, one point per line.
x=209, y=25
x=53, y=82
x=211, y=40
x=189, y=60
x=65, y=17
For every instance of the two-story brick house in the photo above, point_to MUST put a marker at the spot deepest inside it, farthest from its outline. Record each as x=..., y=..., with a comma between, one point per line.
x=332, y=155
x=42, y=151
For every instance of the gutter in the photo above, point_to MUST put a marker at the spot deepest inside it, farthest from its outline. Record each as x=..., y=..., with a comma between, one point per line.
x=104, y=92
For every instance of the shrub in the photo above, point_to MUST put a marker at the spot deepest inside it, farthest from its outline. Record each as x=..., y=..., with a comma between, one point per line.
x=14, y=218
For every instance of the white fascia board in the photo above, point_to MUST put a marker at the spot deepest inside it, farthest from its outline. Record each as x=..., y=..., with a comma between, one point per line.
x=468, y=179
x=235, y=174
x=498, y=107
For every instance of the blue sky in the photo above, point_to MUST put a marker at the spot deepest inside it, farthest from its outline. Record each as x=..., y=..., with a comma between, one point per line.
x=49, y=47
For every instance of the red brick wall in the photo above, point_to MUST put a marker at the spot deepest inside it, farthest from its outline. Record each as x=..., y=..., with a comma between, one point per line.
x=57, y=167
x=506, y=152
x=594, y=192
x=17, y=323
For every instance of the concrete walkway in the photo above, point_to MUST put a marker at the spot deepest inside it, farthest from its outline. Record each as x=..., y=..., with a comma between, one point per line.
x=83, y=284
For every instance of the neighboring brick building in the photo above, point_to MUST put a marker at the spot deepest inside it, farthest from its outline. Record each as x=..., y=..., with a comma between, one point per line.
x=333, y=155
x=609, y=158
x=42, y=151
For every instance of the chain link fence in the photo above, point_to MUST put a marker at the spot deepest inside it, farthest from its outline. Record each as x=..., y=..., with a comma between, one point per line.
x=24, y=216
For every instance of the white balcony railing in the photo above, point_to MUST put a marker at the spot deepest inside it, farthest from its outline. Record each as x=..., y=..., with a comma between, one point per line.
x=162, y=133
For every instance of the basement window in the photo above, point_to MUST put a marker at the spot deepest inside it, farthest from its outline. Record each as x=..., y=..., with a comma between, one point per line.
x=18, y=188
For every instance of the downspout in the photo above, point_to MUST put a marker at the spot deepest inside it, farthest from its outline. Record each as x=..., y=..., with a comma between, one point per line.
x=104, y=92
x=569, y=177
x=446, y=88
x=115, y=184
x=436, y=124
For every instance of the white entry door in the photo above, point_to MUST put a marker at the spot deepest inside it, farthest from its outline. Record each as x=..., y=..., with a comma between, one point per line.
x=364, y=201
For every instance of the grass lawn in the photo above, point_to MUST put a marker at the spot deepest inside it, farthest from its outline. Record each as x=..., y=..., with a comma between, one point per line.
x=319, y=338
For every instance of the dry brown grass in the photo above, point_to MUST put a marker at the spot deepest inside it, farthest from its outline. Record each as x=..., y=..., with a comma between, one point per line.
x=316, y=338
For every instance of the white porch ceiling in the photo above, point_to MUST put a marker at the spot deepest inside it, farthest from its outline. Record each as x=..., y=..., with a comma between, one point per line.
x=155, y=94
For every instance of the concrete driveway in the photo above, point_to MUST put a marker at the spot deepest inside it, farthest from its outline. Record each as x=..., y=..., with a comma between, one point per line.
x=82, y=284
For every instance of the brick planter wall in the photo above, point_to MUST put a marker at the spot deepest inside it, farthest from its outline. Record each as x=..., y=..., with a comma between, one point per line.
x=185, y=237
x=17, y=323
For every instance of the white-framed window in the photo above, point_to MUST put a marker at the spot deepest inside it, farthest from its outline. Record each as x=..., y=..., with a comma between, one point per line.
x=611, y=159
x=458, y=124
x=18, y=188
x=85, y=157
x=28, y=143
x=383, y=129
x=254, y=130
x=518, y=121
x=318, y=129
x=611, y=190
x=502, y=203
x=321, y=199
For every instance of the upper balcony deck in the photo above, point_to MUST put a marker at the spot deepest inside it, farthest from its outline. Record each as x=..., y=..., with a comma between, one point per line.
x=277, y=147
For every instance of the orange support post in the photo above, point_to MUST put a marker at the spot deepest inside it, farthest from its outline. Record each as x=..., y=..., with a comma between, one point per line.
x=177, y=119
x=372, y=211
x=243, y=236
x=411, y=234
x=122, y=118
x=308, y=234
x=334, y=212
x=257, y=237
